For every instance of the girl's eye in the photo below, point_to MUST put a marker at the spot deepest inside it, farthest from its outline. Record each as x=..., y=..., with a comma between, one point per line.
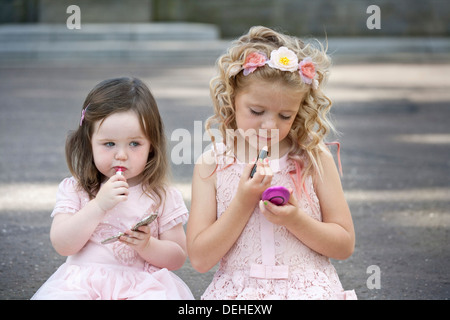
x=257, y=113
x=110, y=144
x=134, y=144
x=283, y=117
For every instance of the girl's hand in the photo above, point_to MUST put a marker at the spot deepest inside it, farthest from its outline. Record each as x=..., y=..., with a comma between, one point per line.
x=252, y=188
x=138, y=240
x=114, y=190
x=280, y=215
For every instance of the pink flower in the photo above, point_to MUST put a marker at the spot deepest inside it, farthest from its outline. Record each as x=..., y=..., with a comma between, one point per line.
x=307, y=70
x=253, y=61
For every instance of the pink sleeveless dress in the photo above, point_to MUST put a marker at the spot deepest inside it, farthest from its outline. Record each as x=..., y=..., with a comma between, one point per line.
x=267, y=261
x=114, y=270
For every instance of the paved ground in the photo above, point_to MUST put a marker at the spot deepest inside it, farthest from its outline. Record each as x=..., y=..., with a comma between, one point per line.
x=395, y=152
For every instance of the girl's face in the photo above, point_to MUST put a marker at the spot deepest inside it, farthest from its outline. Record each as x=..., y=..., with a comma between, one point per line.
x=119, y=142
x=265, y=112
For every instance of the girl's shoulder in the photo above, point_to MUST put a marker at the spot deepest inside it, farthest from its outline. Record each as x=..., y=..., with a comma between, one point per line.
x=206, y=164
x=207, y=158
x=172, y=193
x=330, y=171
x=70, y=197
x=70, y=188
x=217, y=158
x=70, y=185
x=173, y=209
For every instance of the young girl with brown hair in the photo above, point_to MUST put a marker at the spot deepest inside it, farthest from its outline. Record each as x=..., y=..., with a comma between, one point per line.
x=118, y=160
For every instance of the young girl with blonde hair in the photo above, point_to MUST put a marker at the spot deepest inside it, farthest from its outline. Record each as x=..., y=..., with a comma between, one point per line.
x=119, y=164
x=268, y=93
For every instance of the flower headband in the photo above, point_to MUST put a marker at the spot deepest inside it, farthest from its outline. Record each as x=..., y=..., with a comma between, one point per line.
x=281, y=59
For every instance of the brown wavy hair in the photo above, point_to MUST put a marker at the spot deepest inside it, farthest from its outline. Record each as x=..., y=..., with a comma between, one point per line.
x=106, y=98
x=311, y=124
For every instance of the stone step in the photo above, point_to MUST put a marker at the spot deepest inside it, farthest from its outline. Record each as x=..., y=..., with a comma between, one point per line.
x=185, y=43
x=163, y=51
x=101, y=32
x=151, y=41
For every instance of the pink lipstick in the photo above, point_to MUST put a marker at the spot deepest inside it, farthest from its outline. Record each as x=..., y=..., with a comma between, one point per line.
x=120, y=170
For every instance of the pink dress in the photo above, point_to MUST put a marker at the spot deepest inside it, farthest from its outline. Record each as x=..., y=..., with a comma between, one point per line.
x=116, y=271
x=267, y=261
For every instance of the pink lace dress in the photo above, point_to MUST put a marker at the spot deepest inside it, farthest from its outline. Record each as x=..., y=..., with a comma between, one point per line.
x=267, y=261
x=116, y=271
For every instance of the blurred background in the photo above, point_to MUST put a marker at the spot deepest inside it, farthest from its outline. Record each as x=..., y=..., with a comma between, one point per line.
x=391, y=104
x=336, y=18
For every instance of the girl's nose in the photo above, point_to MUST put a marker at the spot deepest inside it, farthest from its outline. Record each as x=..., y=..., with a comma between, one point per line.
x=269, y=123
x=121, y=155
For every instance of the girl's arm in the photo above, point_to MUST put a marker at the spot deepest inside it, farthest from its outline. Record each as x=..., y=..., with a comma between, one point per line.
x=70, y=232
x=169, y=251
x=334, y=236
x=209, y=238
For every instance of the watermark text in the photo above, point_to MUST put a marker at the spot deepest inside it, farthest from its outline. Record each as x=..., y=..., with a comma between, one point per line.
x=374, y=20
x=74, y=20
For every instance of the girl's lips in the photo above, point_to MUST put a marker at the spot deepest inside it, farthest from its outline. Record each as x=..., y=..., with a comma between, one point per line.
x=120, y=169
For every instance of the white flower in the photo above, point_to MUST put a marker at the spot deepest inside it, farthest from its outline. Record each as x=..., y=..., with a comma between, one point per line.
x=283, y=59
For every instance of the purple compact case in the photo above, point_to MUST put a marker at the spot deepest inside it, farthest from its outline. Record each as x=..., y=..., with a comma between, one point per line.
x=278, y=195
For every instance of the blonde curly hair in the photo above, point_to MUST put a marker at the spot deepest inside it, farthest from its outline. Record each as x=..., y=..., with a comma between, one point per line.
x=311, y=124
